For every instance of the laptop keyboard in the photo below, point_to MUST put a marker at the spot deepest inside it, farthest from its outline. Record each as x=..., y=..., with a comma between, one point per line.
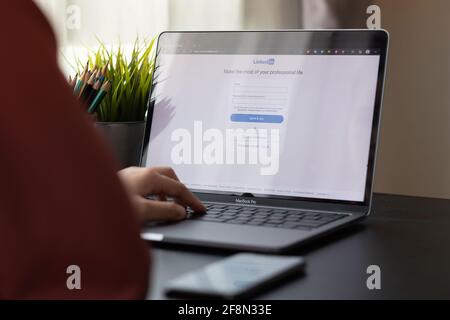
x=266, y=217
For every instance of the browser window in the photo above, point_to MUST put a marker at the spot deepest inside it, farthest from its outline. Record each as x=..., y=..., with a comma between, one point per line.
x=296, y=125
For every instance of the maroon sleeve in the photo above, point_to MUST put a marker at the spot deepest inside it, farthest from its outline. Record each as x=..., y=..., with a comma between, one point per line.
x=61, y=202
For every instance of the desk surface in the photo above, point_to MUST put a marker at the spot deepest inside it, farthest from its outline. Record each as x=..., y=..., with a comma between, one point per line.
x=408, y=237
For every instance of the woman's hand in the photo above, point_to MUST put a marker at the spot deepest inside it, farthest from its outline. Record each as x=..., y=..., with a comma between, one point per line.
x=161, y=182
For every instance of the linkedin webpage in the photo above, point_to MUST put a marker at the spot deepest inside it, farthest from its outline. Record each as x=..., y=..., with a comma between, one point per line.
x=285, y=125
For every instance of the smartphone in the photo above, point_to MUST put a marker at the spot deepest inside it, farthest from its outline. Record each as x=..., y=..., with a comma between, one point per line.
x=237, y=277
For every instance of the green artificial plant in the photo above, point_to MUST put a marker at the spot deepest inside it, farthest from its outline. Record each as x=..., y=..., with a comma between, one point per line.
x=131, y=81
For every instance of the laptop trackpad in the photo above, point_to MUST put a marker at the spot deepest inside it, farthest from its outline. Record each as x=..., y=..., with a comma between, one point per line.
x=224, y=235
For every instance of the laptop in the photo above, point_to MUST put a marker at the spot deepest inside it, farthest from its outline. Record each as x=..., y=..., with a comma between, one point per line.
x=275, y=131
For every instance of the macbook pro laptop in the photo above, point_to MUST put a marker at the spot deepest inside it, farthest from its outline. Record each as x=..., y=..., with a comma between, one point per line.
x=275, y=131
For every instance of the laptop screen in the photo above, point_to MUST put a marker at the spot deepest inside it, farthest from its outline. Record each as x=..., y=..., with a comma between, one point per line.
x=265, y=115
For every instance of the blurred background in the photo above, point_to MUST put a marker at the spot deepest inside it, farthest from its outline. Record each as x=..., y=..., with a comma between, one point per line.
x=414, y=154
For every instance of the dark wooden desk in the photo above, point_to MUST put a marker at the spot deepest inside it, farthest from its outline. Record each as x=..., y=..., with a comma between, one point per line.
x=408, y=237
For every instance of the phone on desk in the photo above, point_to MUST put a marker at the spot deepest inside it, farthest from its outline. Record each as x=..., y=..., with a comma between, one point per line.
x=239, y=276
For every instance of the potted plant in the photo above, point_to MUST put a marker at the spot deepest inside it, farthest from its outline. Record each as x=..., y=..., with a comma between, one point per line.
x=121, y=114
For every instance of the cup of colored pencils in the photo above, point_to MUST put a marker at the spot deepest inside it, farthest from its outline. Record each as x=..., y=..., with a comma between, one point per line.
x=91, y=87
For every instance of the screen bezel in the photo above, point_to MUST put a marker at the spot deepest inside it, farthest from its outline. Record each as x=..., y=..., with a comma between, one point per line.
x=342, y=39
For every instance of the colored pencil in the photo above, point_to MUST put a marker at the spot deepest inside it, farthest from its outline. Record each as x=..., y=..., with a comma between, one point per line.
x=99, y=98
x=72, y=82
x=85, y=79
x=95, y=89
x=105, y=69
x=89, y=87
x=80, y=82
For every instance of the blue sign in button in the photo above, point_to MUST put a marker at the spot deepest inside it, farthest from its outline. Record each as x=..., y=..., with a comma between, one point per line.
x=261, y=118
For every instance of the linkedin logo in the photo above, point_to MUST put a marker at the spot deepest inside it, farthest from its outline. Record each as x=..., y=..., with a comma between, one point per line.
x=270, y=61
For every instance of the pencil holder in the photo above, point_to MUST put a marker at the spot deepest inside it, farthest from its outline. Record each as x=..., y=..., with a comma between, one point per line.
x=125, y=139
